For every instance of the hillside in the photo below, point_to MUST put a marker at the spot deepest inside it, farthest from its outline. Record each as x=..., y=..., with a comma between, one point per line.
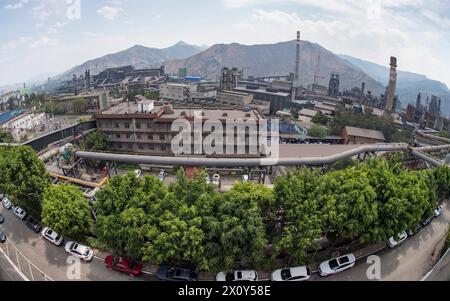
x=138, y=56
x=274, y=59
x=409, y=84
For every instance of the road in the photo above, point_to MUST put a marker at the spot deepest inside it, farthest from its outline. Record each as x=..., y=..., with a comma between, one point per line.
x=442, y=271
x=7, y=272
x=411, y=261
x=52, y=260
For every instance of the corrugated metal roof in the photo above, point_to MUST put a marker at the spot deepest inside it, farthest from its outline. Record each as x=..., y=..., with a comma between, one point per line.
x=358, y=132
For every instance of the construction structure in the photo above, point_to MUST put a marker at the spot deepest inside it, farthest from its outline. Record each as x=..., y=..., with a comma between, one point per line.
x=296, y=82
x=390, y=97
x=333, y=87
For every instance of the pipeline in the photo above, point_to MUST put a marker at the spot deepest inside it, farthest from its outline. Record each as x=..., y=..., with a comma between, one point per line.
x=251, y=162
x=433, y=137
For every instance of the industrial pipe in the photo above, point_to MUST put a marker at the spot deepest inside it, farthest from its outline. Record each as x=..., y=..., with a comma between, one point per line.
x=250, y=162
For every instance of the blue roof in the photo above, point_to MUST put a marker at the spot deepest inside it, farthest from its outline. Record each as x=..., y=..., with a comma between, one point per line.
x=7, y=116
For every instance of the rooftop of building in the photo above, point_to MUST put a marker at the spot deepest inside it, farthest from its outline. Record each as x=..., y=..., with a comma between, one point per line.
x=359, y=132
x=228, y=92
x=172, y=113
x=308, y=112
x=261, y=90
x=81, y=95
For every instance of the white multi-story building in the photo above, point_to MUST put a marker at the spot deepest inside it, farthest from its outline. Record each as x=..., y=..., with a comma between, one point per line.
x=21, y=125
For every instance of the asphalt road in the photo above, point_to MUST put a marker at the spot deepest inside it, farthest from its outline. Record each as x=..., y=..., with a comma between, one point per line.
x=410, y=261
x=441, y=271
x=7, y=272
x=52, y=260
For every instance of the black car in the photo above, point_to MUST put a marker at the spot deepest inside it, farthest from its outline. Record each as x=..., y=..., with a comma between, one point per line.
x=33, y=224
x=426, y=222
x=412, y=232
x=2, y=237
x=2, y=219
x=167, y=273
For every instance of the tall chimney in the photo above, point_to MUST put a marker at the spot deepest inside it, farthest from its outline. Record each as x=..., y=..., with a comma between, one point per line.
x=392, y=85
x=296, y=83
x=363, y=93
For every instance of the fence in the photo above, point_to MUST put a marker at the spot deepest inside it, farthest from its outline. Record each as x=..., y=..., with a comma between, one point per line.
x=27, y=270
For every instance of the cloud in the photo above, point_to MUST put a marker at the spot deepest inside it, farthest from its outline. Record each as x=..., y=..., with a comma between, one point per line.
x=16, y=5
x=109, y=12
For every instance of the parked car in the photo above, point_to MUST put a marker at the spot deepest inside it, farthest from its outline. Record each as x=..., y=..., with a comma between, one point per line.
x=216, y=179
x=20, y=213
x=398, y=240
x=426, y=222
x=7, y=203
x=438, y=211
x=33, y=224
x=292, y=274
x=337, y=265
x=52, y=237
x=412, y=232
x=79, y=251
x=162, y=175
x=167, y=273
x=138, y=173
x=237, y=276
x=245, y=178
x=208, y=179
x=2, y=237
x=127, y=266
x=2, y=219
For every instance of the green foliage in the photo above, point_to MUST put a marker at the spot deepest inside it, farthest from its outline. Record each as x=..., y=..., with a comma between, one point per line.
x=54, y=107
x=442, y=179
x=392, y=132
x=318, y=132
x=320, y=119
x=6, y=137
x=151, y=95
x=79, y=105
x=23, y=177
x=444, y=134
x=66, y=211
x=95, y=141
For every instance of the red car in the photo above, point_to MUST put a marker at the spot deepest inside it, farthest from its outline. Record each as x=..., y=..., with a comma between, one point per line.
x=126, y=266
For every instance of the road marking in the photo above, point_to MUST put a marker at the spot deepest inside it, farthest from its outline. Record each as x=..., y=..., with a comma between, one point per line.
x=25, y=278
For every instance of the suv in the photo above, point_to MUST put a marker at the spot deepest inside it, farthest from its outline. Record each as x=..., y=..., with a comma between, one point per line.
x=7, y=203
x=237, y=276
x=166, y=273
x=33, y=224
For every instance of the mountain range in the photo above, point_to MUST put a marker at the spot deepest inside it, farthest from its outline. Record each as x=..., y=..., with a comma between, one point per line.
x=271, y=59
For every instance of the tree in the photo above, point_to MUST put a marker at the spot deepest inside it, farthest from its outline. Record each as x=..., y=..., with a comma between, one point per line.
x=296, y=197
x=6, y=137
x=442, y=177
x=95, y=141
x=23, y=177
x=79, y=105
x=320, y=119
x=318, y=132
x=66, y=211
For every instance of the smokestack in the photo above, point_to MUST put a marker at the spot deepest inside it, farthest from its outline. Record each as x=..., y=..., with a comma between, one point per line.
x=363, y=93
x=392, y=85
x=296, y=83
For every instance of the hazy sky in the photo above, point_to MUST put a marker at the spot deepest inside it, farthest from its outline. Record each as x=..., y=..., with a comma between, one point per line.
x=49, y=36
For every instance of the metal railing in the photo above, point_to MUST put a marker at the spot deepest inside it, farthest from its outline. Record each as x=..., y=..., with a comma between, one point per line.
x=27, y=270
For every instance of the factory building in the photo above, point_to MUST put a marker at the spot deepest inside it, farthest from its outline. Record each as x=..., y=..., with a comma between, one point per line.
x=146, y=127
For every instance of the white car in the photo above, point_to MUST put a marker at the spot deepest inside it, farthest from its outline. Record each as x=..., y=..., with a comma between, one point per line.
x=7, y=203
x=438, y=211
x=237, y=276
x=292, y=274
x=337, y=265
x=20, y=213
x=138, y=173
x=216, y=179
x=52, y=237
x=207, y=179
x=79, y=251
x=396, y=241
x=245, y=178
x=162, y=175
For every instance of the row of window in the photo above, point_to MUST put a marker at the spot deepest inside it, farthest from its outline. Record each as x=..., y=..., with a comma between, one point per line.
x=138, y=125
x=138, y=136
x=151, y=147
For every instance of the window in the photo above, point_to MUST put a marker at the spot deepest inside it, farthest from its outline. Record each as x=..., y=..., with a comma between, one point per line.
x=150, y=137
x=141, y=147
x=163, y=148
x=149, y=125
x=127, y=125
x=130, y=146
x=128, y=136
x=162, y=137
x=151, y=147
x=116, y=125
x=138, y=125
x=119, y=145
x=118, y=136
x=139, y=136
